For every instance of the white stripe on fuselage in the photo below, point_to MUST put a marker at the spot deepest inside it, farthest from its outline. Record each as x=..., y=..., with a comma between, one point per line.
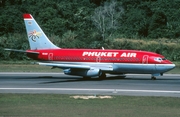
x=126, y=67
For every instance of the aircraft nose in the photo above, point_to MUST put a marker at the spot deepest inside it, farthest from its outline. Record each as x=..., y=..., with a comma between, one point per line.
x=164, y=67
x=173, y=66
x=169, y=62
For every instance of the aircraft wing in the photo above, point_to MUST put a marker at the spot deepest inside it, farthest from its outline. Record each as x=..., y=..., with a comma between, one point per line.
x=73, y=66
x=65, y=66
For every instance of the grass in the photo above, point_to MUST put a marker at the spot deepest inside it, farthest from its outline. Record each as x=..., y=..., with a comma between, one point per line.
x=55, y=105
x=174, y=71
x=26, y=68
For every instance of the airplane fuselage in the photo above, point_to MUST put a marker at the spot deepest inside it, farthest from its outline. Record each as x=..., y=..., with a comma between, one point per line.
x=115, y=61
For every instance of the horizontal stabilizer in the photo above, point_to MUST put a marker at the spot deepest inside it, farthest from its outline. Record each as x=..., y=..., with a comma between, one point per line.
x=22, y=51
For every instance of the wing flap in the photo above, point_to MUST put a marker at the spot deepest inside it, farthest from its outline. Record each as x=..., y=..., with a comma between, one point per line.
x=75, y=66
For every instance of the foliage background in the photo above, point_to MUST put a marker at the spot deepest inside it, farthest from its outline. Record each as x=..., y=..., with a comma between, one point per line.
x=152, y=25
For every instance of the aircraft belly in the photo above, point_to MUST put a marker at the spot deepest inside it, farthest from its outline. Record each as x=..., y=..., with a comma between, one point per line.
x=134, y=68
x=102, y=66
x=121, y=67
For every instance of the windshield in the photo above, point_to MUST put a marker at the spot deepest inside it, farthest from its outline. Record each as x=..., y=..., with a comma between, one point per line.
x=158, y=59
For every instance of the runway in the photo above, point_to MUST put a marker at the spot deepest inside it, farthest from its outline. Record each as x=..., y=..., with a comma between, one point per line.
x=58, y=83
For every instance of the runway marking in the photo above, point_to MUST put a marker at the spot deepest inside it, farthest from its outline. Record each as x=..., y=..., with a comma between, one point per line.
x=78, y=89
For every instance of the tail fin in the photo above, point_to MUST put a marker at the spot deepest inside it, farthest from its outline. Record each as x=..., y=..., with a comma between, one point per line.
x=37, y=38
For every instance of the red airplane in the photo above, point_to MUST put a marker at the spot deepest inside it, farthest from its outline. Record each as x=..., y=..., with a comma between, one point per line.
x=91, y=62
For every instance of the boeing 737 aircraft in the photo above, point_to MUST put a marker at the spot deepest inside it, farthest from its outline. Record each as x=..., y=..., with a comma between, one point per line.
x=91, y=62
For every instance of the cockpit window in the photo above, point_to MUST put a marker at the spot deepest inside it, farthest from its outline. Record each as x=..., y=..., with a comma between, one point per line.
x=157, y=59
x=163, y=58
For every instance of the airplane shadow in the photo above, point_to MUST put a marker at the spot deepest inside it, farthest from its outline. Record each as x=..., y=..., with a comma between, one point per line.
x=80, y=79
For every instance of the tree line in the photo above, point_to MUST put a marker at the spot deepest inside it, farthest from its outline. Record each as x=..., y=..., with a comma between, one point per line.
x=90, y=23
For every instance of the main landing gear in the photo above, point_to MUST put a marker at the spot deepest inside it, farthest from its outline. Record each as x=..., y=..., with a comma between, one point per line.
x=102, y=76
x=86, y=78
x=153, y=78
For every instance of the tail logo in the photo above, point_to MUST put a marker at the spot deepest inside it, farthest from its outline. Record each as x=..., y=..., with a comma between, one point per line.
x=33, y=35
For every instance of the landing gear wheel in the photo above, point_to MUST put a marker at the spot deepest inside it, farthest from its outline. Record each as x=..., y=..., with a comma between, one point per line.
x=153, y=78
x=86, y=78
x=102, y=76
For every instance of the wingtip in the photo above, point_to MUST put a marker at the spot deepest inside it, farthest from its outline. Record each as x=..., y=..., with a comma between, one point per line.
x=27, y=16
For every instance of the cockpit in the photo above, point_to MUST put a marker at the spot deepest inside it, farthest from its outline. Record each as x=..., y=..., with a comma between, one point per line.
x=159, y=59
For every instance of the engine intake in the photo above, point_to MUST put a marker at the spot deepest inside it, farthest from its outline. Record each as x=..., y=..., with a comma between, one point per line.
x=85, y=73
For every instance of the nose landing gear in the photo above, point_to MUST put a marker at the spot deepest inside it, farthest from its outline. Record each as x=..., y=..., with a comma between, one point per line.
x=153, y=77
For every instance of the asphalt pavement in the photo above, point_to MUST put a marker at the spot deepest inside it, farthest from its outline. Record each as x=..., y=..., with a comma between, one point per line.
x=58, y=83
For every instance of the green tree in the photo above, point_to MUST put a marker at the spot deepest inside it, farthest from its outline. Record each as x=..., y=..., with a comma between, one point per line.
x=106, y=18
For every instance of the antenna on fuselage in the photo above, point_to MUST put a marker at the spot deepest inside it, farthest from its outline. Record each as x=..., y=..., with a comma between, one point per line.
x=102, y=48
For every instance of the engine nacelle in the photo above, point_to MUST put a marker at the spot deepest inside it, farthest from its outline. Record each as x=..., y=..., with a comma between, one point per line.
x=81, y=72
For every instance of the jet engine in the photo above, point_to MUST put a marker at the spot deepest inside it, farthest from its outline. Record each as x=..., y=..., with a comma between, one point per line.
x=83, y=72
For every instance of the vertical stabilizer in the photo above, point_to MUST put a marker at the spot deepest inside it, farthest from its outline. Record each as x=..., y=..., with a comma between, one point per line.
x=37, y=38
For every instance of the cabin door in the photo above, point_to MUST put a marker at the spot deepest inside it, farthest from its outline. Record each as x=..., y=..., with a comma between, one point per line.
x=147, y=68
x=50, y=56
x=98, y=59
x=145, y=59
